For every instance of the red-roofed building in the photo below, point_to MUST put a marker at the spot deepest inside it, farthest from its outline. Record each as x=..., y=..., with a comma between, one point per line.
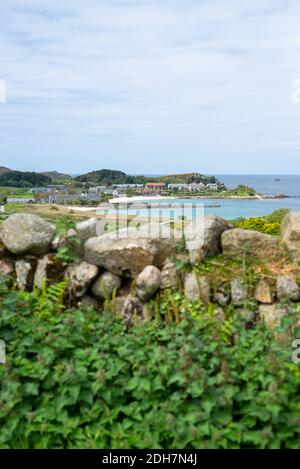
x=156, y=186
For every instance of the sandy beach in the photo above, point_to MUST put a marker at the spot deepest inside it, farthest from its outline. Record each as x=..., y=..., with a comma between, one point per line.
x=139, y=198
x=118, y=200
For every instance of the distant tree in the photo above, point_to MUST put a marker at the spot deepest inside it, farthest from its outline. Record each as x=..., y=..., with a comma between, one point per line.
x=23, y=179
x=109, y=177
x=26, y=184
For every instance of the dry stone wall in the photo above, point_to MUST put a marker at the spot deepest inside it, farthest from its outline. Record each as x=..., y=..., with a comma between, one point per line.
x=134, y=268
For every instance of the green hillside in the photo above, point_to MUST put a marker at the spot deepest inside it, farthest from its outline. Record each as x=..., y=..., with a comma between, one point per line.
x=23, y=179
x=187, y=178
x=56, y=176
x=108, y=176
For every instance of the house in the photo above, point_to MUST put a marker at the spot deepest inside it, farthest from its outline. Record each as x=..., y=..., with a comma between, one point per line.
x=124, y=187
x=212, y=187
x=112, y=192
x=120, y=187
x=97, y=189
x=177, y=187
x=61, y=199
x=197, y=187
x=90, y=196
x=19, y=200
x=194, y=187
x=39, y=190
x=57, y=187
x=156, y=186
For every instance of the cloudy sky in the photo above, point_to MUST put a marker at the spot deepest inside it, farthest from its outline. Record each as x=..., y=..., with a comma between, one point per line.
x=150, y=86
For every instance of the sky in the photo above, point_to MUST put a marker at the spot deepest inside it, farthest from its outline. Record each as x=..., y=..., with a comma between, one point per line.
x=151, y=86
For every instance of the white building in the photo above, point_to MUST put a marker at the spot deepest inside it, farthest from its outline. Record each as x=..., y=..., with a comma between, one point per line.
x=97, y=189
x=197, y=186
x=212, y=187
x=19, y=200
x=193, y=187
x=112, y=192
x=128, y=186
x=39, y=190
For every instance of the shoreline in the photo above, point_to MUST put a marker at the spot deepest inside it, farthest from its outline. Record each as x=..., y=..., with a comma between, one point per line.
x=118, y=200
x=139, y=198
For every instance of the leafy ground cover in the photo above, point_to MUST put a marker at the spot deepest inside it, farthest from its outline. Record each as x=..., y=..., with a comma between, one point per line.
x=270, y=224
x=76, y=378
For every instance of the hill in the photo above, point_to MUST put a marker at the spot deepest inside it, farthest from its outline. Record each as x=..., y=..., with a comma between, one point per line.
x=106, y=177
x=56, y=176
x=187, y=178
x=3, y=169
x=23, y=179
x=109, y=177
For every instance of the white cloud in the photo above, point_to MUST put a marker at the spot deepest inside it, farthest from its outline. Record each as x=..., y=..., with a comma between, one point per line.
x=148, y=85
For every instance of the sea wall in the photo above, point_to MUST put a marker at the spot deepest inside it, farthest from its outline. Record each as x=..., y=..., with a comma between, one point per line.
x=256, y=274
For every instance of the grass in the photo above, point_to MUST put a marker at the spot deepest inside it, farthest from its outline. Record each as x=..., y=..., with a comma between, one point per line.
x=219, y=270
x=13, y=191
x=51, y=213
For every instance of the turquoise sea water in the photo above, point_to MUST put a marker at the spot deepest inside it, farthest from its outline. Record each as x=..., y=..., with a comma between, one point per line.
x=232, y=208
x=227, y=208
x=251, y=208
x=262, y=183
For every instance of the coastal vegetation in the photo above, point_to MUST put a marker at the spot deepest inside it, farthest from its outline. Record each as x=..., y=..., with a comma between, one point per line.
x=203, y=361
x=23, y=179
x=269, y=224
x=100, y=177
x=242, y=191
x=4, y=169
x=109, y=177
x=57, y=177
x=99, y=186
x=53, y=213
x=78, y=379
x=187, y=178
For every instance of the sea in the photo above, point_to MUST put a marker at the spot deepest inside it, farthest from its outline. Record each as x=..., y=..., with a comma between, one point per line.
x=266, y=184
x=232, y=208
x=228, y=209
x=237, y=208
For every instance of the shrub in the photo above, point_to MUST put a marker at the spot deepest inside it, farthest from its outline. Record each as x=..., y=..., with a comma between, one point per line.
x=242, y=191
x=77, y=378
x=270, y=224
x=277, y=216
x=68, y=252
x=259, y=224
